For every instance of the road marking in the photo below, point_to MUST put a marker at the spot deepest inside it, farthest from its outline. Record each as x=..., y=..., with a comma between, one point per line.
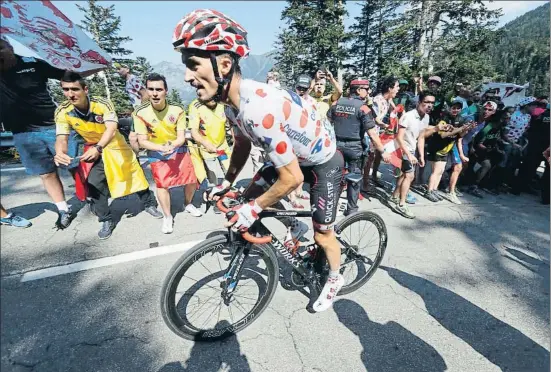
x=11, y=169
x=105, y=261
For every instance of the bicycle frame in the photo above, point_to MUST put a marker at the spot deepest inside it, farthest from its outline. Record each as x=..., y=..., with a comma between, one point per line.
x=235, y=267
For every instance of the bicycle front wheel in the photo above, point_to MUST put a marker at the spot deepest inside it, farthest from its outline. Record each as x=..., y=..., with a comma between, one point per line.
x=363, y=240
x=192, y=301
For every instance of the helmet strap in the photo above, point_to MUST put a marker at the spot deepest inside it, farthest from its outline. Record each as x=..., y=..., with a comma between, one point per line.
x=221, y=93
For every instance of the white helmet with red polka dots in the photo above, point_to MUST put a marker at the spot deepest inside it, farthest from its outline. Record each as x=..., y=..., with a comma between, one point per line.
x=210, y=30
x=214, y=32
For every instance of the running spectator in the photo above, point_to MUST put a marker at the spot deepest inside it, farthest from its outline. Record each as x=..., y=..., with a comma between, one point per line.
x=504, y=172
x=381, y=108
x=324, y=102
x=137, y=94
x=108, y=167
x=352, y=118
x=486, y=151
x=414, y=126
x=11, y=219
x=442, y=146
x=207, y=122
x=161, y=131
x=27, y=110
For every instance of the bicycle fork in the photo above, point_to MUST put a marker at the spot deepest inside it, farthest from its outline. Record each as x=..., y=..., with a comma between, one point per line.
x=233, y=273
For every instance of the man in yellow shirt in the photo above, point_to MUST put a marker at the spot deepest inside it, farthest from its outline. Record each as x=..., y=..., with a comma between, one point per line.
x=207, y=122
x=161, y=131
x=108, y=166
x=323, y=103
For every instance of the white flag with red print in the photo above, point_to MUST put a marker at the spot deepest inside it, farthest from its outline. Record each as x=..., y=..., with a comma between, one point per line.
x=388, y=137
x=41, y=27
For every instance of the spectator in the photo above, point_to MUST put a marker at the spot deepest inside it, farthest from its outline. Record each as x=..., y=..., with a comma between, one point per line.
x=324, y=102
x=413, y=126
x=108, y=167
x=545, y=180
x=11, y=219
x=486, y=151
x=207, y=122
x=537, y=133
x=27, y=110
x=273, y=79
x=161, y=131
x=440, y=147
x=510, y=160
x=137, y=93
x=303, y=87
x=404, y=96
x=381, y=106
x=463, y=97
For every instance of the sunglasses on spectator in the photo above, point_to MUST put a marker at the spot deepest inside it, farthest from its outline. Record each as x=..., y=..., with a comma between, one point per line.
x=489, y=109
x=301, y=89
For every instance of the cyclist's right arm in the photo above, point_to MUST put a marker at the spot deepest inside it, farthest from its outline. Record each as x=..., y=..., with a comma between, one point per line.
x=239, y=156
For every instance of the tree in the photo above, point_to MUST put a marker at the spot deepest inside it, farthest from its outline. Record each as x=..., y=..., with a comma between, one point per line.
x=141, y=68
x=314, y=35
x=521, y=53
x=377, y=39
x=174, y=97
x=104, y=27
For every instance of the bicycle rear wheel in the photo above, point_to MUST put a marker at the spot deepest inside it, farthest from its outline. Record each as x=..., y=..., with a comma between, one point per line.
x=192, y=304
x=363, y=239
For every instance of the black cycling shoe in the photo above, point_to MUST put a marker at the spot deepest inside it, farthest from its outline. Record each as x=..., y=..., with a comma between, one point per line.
x=153, y=211
x=106, y=230
x=64, y=219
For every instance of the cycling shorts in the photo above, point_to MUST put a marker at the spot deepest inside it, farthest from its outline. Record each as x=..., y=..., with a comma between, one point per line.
x=325, y=180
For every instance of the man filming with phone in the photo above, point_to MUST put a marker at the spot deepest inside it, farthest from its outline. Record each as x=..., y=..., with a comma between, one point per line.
x=324, y=102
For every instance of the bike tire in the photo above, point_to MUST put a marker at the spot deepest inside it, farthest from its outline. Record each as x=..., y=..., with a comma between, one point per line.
x=378, y=222
x=168, y=292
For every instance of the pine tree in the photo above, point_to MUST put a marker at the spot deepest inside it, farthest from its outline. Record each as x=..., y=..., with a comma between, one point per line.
x=314, y=35
x=174, y=97
x=141, y=68
x=104, y=27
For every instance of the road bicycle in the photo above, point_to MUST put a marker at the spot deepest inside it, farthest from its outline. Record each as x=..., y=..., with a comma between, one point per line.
x=239, y=272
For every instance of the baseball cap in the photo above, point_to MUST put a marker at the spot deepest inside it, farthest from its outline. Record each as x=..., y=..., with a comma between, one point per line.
x=120, y=65
x=435, y=78
x=303, y=81
x=492, y=104
x=403, y=81
x=457, y=102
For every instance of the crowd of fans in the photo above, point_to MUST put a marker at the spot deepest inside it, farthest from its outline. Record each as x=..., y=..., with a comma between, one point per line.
x=472, y=142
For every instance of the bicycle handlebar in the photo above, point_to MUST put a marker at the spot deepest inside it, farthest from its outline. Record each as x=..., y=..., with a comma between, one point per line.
x=246, y=235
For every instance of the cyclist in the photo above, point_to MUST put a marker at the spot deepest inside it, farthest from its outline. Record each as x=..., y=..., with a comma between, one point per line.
x=300, y=146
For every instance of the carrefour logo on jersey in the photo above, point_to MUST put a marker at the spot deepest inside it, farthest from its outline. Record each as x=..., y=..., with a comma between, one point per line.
x=297, y=136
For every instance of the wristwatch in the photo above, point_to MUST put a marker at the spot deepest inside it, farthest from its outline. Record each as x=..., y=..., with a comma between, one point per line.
x=99, y=148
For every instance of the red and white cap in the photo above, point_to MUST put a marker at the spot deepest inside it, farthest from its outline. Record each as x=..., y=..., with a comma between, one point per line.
x=210, y=30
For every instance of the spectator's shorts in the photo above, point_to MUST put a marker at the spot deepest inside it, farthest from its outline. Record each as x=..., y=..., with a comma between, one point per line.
x=407, y=167
x=37, y=150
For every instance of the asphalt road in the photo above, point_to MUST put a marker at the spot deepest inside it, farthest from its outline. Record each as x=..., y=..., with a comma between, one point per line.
x=461, y=288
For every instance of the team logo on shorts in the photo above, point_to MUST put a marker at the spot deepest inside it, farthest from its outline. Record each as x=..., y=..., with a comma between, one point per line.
x=171, y=119
x=99, y=119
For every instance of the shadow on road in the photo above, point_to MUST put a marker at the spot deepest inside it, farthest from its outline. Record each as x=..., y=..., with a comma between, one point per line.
x=501, y=344
x=212, y=357
x=388, y=347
